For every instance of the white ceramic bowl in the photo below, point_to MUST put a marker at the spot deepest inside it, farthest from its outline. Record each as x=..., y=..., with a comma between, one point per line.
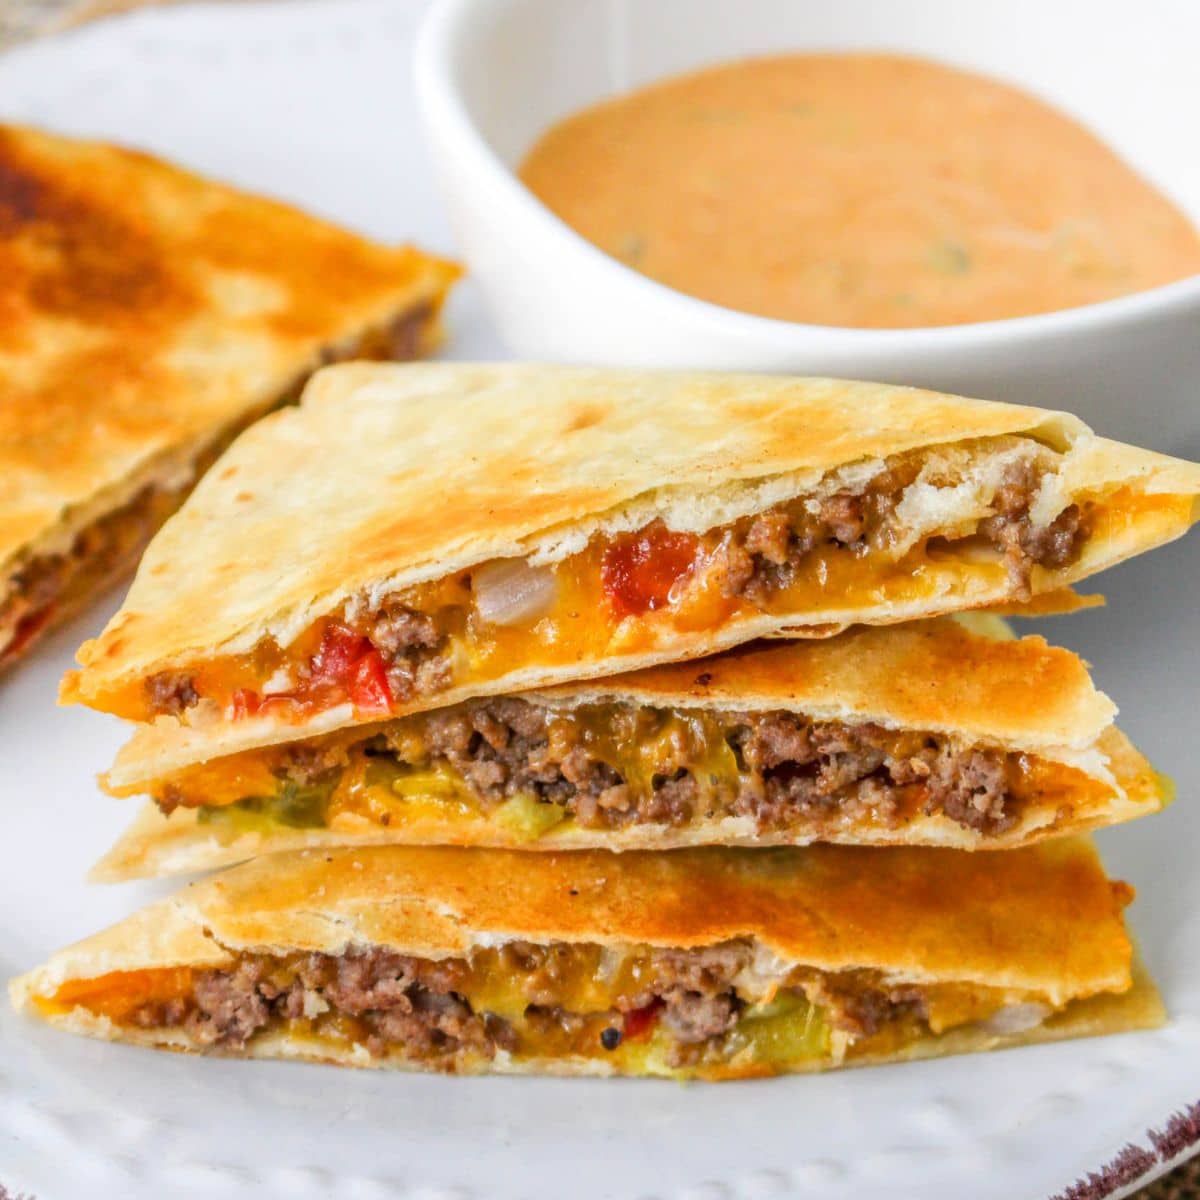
x=493, y=74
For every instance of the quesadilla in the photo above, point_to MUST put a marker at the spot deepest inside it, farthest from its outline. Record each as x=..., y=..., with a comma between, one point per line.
x=920, y=734
x=146, y=316
x=714, y=964
x=413, y=536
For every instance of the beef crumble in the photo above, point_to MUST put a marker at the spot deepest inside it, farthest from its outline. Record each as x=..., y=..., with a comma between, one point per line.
x=767, y=556
x=418, y=1006
x=395, y=998
x=780, y=769
x=764, y=554
x=693, y=990
x=413, y=649
x=171, y=692
x=815, y=767
x=698, y=994
x=790, y=770
x=859, y=1002
x=399, y=340
x=1024, y=542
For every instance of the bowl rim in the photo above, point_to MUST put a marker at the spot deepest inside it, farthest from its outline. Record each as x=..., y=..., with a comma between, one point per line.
x=444, y=110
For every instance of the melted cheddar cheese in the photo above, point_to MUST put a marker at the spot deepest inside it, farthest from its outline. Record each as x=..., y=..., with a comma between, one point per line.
x=584, y=623
x=778, y=1028
x=249, y=791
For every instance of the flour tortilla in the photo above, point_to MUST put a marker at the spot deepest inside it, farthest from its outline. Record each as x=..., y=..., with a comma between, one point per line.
x=390, y=476
x=977, y=686
x=150, y=314
x=1043, y=920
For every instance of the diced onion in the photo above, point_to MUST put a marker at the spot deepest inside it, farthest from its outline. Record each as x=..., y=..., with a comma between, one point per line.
x=314, y=1004
x=511, y=592
x=1015, y=1018
x=611, y=962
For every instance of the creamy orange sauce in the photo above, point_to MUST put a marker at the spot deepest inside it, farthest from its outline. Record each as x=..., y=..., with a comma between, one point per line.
x=860, y=190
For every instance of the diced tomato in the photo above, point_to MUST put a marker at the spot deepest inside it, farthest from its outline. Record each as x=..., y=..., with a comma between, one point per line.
x=345, y=666
x=347, y=661
x=282, y=705
x=246, y=703
x=641, y=1021
x=369, y=689
x=339, y=653
x=639, y=570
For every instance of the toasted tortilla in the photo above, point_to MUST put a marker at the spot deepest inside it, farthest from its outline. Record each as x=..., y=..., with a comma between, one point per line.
x=980, y=690
x=391, y=478
x=1048, y=604
x=1042, y=921
x=148, y=315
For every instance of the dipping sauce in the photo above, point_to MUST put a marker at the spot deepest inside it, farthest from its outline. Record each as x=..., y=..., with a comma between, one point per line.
x=862, y=190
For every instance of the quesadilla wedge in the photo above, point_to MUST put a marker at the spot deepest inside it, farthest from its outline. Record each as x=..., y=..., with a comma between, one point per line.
x=706, y=963
x=919, y=734
x=147, y=316
x=413, y=536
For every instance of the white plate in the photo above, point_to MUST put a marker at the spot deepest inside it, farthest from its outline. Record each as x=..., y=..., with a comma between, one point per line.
x=311, y=101
x=493, y=74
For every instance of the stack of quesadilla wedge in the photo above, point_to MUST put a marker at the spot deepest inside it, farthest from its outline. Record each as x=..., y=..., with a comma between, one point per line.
x=148, y=316
x=921, y=734
x=453, y=636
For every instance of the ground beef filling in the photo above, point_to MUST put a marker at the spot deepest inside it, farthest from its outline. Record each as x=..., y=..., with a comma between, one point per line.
x=417, y=1007
x=789, y=770
x=395, y=1000
x=49, y=583
x=813, y=767
x=400, y=340
x=753, y=559
x=1025, y=542
x=415, y=651
x=768, y=557
x=764, y=555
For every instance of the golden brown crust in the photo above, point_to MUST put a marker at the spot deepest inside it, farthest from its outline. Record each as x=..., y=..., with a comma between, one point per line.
x=540, y=458
x=932, y=675
x=158, y=309
x=1047, y=604
x=1043, y=919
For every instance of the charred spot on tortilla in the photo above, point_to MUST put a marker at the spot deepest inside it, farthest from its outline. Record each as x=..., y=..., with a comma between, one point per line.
x=152, y=323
